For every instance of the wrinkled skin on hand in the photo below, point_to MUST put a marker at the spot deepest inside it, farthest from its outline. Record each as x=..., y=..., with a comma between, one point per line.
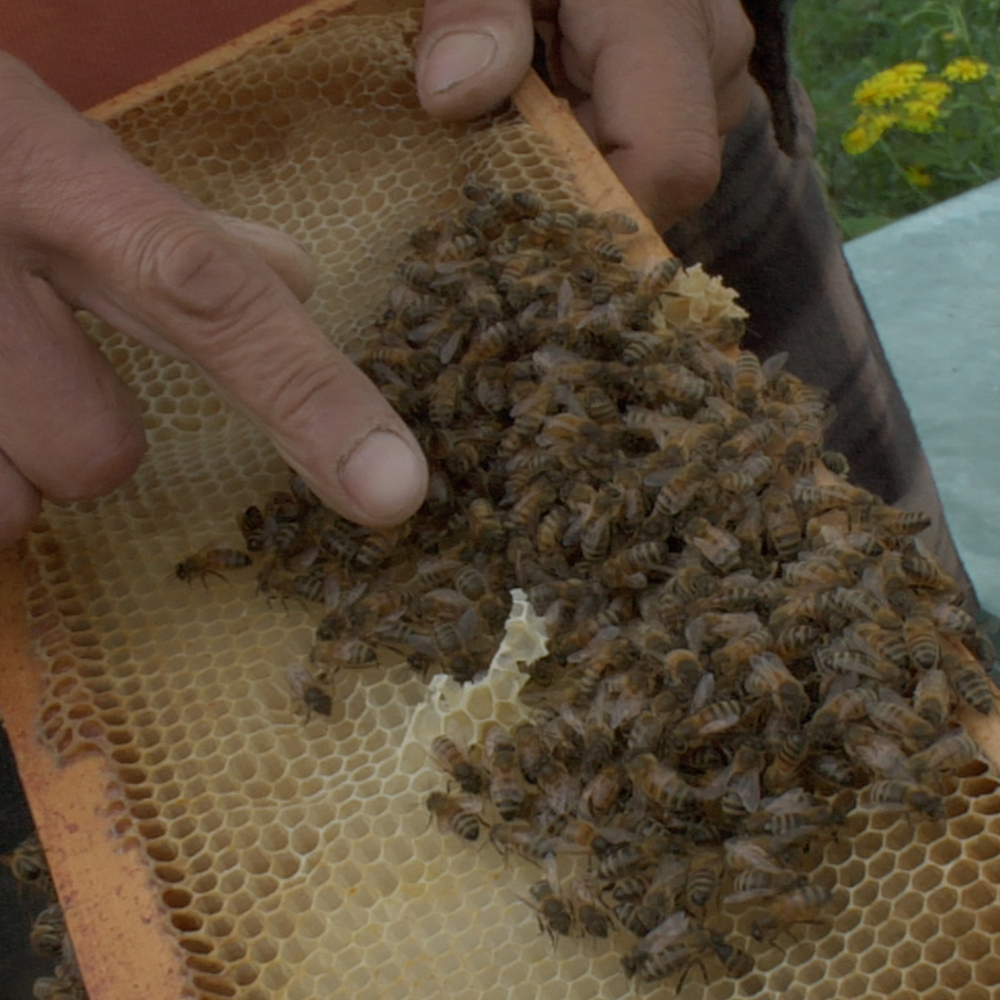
x=656, y=83
x=84, y=226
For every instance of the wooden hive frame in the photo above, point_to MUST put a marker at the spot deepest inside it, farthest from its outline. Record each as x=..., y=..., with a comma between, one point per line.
x=112, y=909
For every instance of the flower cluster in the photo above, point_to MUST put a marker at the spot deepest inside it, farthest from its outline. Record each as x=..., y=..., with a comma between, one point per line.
x=906, y=96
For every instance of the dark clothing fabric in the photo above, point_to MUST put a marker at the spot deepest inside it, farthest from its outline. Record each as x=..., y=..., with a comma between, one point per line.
x=769, y=233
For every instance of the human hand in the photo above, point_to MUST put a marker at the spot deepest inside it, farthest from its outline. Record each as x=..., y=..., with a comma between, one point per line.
x=84, y=226
x=656, y=83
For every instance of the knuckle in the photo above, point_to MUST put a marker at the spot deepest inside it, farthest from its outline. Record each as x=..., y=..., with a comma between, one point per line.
x=694, y=177
x=197, y=276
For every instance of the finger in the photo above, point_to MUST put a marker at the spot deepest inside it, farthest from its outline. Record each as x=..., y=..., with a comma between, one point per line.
x=656, y=78
x=111, y=237
x=67, y=423
x=173, y=279
x=471, y=54
x=20, y=503
x=287, y=258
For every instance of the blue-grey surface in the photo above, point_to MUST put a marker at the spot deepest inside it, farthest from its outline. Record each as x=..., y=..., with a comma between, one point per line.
x=932, y=283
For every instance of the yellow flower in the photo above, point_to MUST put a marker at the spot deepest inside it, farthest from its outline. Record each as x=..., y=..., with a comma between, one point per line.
x=918, y=117
x=948, y=36
x=867, y=130
x=965, y=69
x=910, y=71
x=889, y=85
x=932, y=91
x=919, y=177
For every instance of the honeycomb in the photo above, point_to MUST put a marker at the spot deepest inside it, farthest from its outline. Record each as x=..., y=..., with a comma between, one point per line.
x=293, y=852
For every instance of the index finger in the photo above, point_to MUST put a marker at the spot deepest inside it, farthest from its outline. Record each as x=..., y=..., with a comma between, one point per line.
x=111, y=237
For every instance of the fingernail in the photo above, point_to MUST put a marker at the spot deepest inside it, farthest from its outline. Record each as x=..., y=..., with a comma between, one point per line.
x=385, y=476
x=455, y=57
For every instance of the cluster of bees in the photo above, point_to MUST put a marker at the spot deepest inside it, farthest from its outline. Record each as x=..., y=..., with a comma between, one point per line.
x=743, y=646
x=48, y=936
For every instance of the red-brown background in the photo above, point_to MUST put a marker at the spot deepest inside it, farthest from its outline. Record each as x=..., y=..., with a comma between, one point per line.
x=89, y=50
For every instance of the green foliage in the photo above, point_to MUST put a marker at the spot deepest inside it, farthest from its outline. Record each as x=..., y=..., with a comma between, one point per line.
x=838, y=45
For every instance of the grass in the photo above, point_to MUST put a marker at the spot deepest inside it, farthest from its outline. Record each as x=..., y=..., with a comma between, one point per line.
x=837, y=45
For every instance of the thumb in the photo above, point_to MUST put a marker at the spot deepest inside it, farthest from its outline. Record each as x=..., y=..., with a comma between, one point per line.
x=471, y=54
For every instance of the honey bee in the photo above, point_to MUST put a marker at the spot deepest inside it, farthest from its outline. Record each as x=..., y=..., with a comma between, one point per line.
x=554, y=915
x=803, y=445
x=839, y=708
x=209, y=561
x=748, y=476
x=59, y=987
x=770, y=678
x=747, y=380
x=585, y=899
x=601, y=796
x=756, y=883
x=736, y=962
x=524, y=839
x=533, y=503
x=933, y=698
x=702, y=880
x=673, y=946
x=795, y=642
x=717, y=546
x=48, y=931
x=922, y=644
x=661, y=784
x=377, y=546
x=680, y=490
x=878, y=642
x=953, y=750
x=644, y=346
x=799, y=906
x=455, y=814
x=738, y=651
x=28, y=865
x=899, y=522
x=896, y=794
x=628, y=567
x=924, y=570
x=757, y=853
x=898, y=718
x=970, y=682
x=335, y=654
x=486, y=530
x=453, y=644
x=504, y=775
x=754, y=437
x=304, y=687
x=254, y=528
x=789, y=754
x=818, y=497
x=456, y=761
x=952, y=620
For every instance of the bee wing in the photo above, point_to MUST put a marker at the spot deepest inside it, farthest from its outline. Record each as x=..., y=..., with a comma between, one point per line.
x=774, y=364
x=794, y=800
x=703, y=692
x=604, y=635
x=671, y=929
x=749, y=895
x=299, y=678
x=747, y=788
